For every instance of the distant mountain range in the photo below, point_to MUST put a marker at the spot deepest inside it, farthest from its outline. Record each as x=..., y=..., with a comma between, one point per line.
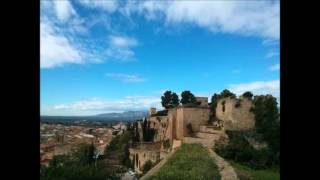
x=126, y=115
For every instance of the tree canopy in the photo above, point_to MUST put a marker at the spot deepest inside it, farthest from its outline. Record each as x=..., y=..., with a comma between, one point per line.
x=77, y=165
x=248, y=95
x=187, y=97
x=226, y=93
x=169, y=99
x=267, y=119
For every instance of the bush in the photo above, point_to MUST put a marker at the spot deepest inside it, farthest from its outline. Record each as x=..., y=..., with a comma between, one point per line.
x=240, y=150
x=266, y=117
x=147, y=166
x=77, y=165
x=166, y=144
x=119, y=145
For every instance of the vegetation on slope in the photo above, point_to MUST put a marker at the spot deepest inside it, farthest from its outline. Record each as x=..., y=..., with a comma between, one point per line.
x=246, y=173
x=79, y=165
x=119, y=147
x=267, y=129
x=191, y=161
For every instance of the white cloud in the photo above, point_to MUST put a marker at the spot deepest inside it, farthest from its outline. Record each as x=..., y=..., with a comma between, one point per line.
x=56, y=49
x=122, y=41
x=270, y=42
x=64, y=9
x=257, y=88
x=98, y=105
x=59, y=47
x=275, y=67
x=121, y=47
x=106, y=5
x=128, y=78
x=256, y=18
x=272, y=53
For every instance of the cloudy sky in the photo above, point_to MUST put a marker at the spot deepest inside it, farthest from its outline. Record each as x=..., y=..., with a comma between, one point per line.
x=102, y=56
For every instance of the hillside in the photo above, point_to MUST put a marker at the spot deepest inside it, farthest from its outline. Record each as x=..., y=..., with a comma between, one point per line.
x=190, y=161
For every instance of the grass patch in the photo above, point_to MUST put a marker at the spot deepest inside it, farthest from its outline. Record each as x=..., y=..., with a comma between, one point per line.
x=246, y=173
x=191, y=161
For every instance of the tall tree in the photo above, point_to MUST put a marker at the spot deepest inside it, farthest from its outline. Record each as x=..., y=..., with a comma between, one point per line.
x=165, y=99
x=214, y=102
x=174, y=100
x=169, y=99
x=187, y=97
x=267, y=120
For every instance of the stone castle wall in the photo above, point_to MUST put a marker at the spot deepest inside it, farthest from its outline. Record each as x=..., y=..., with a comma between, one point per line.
x=235, y=118
x=172, y=124
x=160, y=123
x=194, y=115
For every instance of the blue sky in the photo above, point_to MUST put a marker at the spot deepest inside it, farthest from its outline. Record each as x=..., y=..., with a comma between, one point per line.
x=102, y=56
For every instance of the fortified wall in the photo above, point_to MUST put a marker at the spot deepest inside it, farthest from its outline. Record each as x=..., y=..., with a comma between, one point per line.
x=235, y=113
x=171, y=125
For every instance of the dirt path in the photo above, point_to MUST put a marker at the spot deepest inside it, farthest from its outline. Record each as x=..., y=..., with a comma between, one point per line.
x=206, y=140
x=226, y=170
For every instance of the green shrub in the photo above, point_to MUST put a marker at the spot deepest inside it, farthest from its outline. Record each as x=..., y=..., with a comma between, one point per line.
x=78, y=165
x=119, y=145
x=240, y=150
x=147, y=166
x=166, y=144
x=268, y=124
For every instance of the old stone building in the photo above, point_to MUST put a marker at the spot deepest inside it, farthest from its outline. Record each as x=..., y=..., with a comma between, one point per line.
x=235, y=113
x=171, y=125
x=143, y=152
